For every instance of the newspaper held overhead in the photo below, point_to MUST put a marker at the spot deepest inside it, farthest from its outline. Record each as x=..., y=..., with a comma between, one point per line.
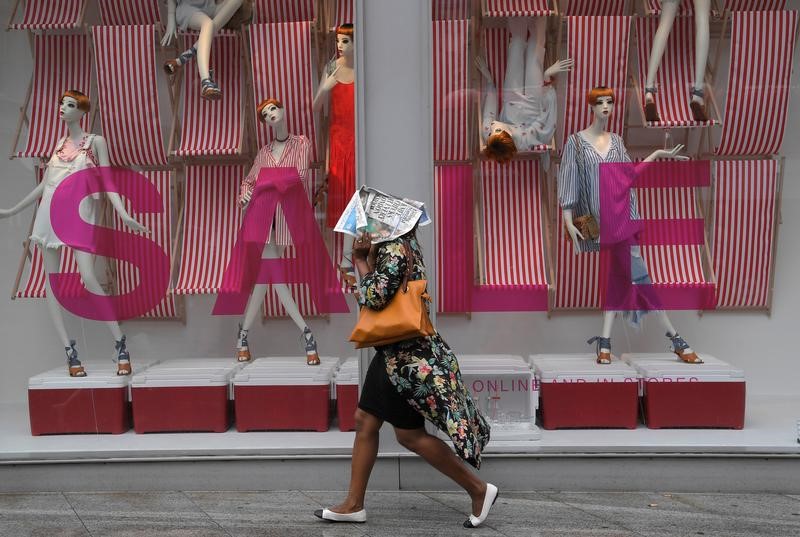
x=383, y=216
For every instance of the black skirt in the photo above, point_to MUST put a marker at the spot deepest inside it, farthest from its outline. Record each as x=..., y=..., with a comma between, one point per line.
x=379, y=397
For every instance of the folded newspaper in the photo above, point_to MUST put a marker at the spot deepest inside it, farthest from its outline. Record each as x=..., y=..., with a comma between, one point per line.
x=383, y=216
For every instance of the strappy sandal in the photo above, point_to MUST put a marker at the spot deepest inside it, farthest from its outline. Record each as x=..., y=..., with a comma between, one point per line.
x=682, y=350
x=172, y=66
x=123, y=358
x=74, y=365
x=210, y=90
x=650, y=108
x=603, y=349
x=242, y=347
x=312, y=358
x=698, y=108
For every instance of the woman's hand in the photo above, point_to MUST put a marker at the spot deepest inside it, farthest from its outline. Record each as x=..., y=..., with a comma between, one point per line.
x=170, y=33
x=561, y=66
x=361, y=247
x=329, y=81
x=132, y=223
x=672, y=154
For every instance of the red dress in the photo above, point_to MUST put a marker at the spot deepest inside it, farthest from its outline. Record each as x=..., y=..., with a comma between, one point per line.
x=342, y=154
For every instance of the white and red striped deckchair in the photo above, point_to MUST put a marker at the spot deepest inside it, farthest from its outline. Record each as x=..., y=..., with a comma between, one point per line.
x=451, y=90
x=675, y=75
x=599, y=47
x=517, y=8
x=344, y=12
x=746, y=205
x=214, y=128
x=127, y=12
x=127, y=86
x=450, y=10
x=577, y=276
x=513, y=223
x=48, y=15
x=160, y=227
x=759, y=82
x=596, y=7
x=60, y=62
x=653, y=7
x=210, y=221
x=496, y=52
x=283, y=11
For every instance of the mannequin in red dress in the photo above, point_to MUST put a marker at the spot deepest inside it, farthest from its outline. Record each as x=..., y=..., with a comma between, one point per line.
x=341, y=181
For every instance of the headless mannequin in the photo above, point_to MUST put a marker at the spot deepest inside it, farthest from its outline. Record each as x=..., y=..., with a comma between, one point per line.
x=72, y=115
x=208, y=27
x=274, y=116
x=669, y=10
x=598, y=136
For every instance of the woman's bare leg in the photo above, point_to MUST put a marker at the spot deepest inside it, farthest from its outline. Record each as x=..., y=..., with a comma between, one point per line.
x=365, y=452
x=85, y=262
x=52, y=264
x=702, y=9
x=668, y=11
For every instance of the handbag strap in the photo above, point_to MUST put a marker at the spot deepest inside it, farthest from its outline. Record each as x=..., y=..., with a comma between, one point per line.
x=410, y=260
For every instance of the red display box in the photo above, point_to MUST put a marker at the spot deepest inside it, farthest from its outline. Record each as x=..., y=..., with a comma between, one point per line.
x=679, y=395
x=576, y=392
x=96, y=403
x=284, y=394
x=347, y=394
x=183, y=396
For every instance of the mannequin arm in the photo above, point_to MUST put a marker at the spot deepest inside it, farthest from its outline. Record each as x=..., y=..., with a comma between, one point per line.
x=171, y=30
x=27, y=200
x=100, y=149
x=325, y=87
x=574, y=234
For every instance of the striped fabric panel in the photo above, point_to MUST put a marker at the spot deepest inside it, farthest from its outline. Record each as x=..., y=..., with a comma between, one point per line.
x=211, y=220
x=654, y=7
x=451, y=132
x=496, y=52
x=125, y=12
x=576, y=274
x=745, y=206
x=345, y=12
x=673, y=264
x=517, y=8
x=214, y=127
x=512, y=223
x=762, y=55
x=51, y=15
x=282, y=68
x=283, y=11
x=450, y=9
x=126, y=81
x=755, y=5
x=599, y=46
x=60, y=62
x=596, y=7
x=160, y=227
x=676, y=74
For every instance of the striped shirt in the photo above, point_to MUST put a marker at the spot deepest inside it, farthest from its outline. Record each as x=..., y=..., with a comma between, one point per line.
x=579, y=180
x=296, y=154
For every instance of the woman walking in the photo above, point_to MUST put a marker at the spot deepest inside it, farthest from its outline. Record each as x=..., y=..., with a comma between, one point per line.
x=408, y=382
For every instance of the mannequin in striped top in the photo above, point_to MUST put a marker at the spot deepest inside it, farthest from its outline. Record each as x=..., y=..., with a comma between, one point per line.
x=285, y=150
x=669, y=9
x=579, y=193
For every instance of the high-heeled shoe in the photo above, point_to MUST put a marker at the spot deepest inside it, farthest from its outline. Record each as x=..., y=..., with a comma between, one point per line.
x=312, y=357
x=123, y=358
x=488, y=501
x=698, y=108
x=242, y=347
x=650, y=108
x=683, y=350
x=603, y=349
x=326, y=514
x=74, y=365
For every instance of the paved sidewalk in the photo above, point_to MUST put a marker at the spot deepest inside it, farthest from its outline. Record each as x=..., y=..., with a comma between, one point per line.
x=397, y=514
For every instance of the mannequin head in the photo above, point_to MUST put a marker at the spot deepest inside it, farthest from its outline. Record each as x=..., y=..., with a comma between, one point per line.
x=500, y=146
x=344, y=39
x=73, y=105
x=271, y=111
x=601, y=99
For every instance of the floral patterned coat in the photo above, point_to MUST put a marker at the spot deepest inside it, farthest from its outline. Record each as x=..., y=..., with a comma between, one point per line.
x=424, y=370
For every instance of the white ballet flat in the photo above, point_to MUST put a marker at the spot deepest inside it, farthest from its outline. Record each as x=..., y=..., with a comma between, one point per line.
x=488, y=501
x=325, y=514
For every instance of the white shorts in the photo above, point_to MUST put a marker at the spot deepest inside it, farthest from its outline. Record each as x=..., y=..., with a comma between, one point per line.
x=187, y=8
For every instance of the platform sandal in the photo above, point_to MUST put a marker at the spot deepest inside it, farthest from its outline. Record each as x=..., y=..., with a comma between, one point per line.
x=123, y=358
x=683, y=350
x=172, y=66
x=650, y=108
x=698, y=108
x=603, y=349
x=75, y=367
x=242, y=347
x=209, y=89
x=312, y=358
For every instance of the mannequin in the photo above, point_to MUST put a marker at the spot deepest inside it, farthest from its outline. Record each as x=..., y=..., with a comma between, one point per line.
x=286, y=150
x=338, y=87
x=528, y=117
x=669, y=9
x=578, y=193
x=76, y=151
x=207, y=17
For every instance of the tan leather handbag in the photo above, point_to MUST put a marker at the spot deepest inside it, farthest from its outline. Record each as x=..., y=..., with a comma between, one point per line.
x=405, y=317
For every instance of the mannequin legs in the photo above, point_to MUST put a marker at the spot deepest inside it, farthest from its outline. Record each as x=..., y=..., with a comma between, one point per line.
x=515, y=63
x=680, y=347
x=669, y=8
x=207, y=28
x=534, y=54
x=52, y=260
x=702, y=9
